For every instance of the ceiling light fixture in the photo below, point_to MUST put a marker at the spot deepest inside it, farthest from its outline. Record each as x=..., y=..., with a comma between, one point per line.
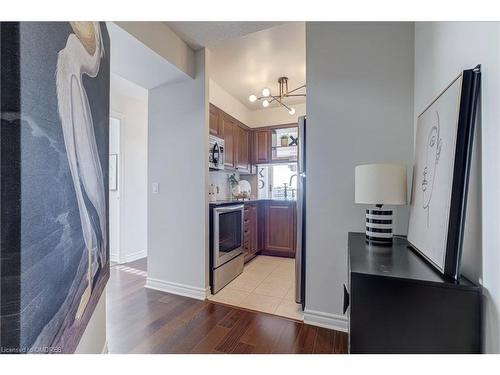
x=267, y=97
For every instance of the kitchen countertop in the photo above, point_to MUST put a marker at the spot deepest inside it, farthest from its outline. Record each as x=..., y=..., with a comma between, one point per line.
x=251, y=200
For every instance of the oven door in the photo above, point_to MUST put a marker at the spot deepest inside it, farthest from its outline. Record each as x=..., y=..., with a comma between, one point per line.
x=228, y=233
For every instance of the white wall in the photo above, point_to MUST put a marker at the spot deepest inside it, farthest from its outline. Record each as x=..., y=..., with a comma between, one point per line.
x=442, y=50
x=129, y=102
x=228, y=103
x=360, y=110
x=93, y=340
x=162, y=40
x=276, y=116
x=178, y=158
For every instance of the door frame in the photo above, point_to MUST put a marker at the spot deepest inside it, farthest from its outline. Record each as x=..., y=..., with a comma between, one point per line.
x=121, y=186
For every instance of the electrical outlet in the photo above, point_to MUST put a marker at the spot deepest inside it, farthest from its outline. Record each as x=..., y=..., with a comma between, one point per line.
x=156, y=188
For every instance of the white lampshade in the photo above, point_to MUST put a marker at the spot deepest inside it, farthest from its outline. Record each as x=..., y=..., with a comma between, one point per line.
x=380, y=184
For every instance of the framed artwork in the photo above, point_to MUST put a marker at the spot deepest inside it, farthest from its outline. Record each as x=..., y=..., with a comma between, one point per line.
x=443, y=149
x=113, y=172
x=55, y=135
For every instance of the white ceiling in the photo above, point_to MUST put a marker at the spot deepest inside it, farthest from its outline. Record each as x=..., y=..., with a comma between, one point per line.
x=137, y=63
x=245, y=65
x=209, y=34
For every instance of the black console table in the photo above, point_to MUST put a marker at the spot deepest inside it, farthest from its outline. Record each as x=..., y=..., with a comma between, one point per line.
x=398, y=303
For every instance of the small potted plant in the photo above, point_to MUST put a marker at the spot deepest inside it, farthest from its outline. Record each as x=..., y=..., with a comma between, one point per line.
x=284, y=140
x=235, y=185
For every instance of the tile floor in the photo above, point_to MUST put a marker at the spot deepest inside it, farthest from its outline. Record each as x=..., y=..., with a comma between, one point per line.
x=267, y=284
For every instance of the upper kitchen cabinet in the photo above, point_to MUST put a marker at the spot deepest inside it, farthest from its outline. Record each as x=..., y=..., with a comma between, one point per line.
x=230, y=140
x=243, y=149
x=236, y=139
x=262, y=146
x=215, y=122
x=277, y=144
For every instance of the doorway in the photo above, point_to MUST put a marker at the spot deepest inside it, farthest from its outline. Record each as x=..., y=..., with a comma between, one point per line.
x=115, y=187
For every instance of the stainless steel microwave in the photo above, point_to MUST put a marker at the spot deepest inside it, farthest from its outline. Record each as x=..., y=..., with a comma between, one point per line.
x=215, y=153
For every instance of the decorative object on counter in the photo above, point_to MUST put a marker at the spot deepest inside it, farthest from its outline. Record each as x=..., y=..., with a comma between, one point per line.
x=294, y=141
x=443, y=149
x=213, y=190
x=235, y=185
x=380, y=184
x=245, y=187
x=268, y=98
x=236, y=188
x=284, y=140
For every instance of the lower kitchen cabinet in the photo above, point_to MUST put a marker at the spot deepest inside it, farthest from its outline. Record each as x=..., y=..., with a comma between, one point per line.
x=280, y=229
x=250, y=231
x=269, y=229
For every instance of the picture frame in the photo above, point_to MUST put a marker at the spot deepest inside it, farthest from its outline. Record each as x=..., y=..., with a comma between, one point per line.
x=113, y=172
x=443, y=150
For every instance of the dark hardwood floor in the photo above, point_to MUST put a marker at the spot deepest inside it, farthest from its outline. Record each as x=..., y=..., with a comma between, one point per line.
x=141, y=320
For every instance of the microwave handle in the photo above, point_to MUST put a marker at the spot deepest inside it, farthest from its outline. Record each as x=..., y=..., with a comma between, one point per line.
x=215, y=151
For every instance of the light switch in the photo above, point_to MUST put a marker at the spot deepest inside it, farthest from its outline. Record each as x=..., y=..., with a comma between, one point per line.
x=156, y=188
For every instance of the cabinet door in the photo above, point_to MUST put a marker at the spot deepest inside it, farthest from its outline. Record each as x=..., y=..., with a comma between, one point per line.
x=280, y=228
x=250, y=232
x=262, y=146
x=215, y=122
x=243, y=160
x=254, y=247
x=229, y=141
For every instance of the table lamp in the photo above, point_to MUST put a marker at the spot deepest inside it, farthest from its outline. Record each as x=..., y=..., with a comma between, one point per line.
x=380, y=184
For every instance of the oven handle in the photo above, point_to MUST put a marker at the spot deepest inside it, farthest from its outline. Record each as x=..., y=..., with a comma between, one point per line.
x=225, y=209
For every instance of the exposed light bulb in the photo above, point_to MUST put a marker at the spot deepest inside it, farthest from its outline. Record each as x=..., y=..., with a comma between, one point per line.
x=265, y=103
x=292, y=111
x=266, y=92
x=252, y=98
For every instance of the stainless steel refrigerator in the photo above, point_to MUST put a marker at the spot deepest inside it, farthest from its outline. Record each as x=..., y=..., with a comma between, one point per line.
x=300, y=257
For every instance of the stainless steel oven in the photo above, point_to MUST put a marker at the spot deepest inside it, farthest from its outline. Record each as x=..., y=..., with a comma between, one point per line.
x=227, y=244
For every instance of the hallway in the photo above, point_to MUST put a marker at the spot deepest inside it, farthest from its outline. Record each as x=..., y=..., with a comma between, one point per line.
x=141, y=320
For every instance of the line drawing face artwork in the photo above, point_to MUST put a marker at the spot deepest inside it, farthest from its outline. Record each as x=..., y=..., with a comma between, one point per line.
x=81, y=56
x=432, y=154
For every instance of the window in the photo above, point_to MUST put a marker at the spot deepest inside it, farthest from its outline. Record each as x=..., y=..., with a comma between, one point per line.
x=277, y=181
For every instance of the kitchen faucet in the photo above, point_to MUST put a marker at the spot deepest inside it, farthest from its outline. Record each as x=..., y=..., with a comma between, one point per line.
x=290, y=183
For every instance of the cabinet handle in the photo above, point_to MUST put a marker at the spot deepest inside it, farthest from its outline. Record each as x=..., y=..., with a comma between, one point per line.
x=346, y=299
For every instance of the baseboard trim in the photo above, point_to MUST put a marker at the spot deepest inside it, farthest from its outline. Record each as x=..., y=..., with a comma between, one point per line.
x=135, y=256
x=176, y=288
x=128, y=258
x=326, y=320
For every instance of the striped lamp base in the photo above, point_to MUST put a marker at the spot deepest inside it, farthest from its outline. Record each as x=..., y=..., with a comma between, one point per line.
x=379, y=226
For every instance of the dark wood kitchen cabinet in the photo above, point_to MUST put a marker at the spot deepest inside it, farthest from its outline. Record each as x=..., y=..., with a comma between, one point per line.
x=242, y=161
x=250, y=231
x=215, y=122
x=262, y=146
x=230, y=140
x=280, y=228
x=237, y=139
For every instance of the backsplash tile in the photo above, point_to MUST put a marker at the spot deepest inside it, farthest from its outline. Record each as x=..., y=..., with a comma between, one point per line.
x=221, y=179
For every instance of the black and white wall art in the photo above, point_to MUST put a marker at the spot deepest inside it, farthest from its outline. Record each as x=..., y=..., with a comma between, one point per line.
x=54, y=153
x=443, y=147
